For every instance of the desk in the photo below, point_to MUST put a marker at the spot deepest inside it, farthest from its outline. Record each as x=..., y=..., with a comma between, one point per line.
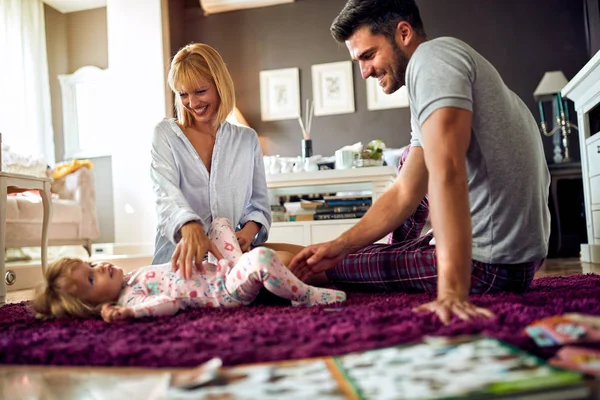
x=559, y=172
x=15, y=183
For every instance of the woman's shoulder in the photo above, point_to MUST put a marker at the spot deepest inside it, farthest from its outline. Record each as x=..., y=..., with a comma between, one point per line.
x=166, y=126
x=239, y=132
x=165, y=129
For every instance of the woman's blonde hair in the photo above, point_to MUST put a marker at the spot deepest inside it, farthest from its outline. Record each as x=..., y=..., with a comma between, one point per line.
x=196, y=62
x=55, y=298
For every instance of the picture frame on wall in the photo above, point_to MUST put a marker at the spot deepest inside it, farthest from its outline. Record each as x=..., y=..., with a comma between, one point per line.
x=333, y=88
x=279, y=94
x=377, y=99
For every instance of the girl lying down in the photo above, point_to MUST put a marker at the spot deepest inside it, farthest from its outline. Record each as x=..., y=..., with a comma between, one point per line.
x=80, y=289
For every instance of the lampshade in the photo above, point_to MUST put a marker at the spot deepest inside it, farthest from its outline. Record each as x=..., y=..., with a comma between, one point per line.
x=551, y=83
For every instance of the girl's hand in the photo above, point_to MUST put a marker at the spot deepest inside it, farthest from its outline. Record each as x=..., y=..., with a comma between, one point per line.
x=246, y=235
x=192, y=248
x=111, y=313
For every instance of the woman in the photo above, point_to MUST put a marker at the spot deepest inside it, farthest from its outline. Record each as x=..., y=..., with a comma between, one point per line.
x=203, y=167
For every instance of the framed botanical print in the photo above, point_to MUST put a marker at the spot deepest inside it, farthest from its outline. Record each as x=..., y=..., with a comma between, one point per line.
x=333, y=88
x=378, y=100
x=279, y=94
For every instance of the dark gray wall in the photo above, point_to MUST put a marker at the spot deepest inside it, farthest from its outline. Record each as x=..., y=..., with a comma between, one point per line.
x=522, y=38
x=593, y=25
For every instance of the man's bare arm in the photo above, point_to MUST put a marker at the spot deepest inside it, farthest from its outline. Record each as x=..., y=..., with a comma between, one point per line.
x=393, y=207
x=446, y=138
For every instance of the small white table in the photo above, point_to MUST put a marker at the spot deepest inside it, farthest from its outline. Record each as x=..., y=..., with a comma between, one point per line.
x=15, y=183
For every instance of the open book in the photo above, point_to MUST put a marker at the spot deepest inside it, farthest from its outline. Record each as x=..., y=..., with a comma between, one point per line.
x=440, y=368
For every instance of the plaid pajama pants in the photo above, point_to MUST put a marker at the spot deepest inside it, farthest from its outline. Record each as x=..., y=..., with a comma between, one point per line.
x=408, y=263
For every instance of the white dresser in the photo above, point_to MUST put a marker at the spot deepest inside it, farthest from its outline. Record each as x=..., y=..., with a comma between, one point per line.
x=584, y=90
x=375, y=179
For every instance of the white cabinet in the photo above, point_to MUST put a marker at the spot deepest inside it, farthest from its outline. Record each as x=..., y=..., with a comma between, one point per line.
x=584, y=90
x=376, y=179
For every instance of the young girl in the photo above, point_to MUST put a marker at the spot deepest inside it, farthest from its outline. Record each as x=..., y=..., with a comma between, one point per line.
x=80, y=289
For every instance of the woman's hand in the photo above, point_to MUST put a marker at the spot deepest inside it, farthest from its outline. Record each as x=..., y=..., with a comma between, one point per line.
x=111, y=313
x=192, y=248
x=246, y=235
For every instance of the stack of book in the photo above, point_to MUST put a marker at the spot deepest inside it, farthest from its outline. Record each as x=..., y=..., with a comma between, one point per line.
x=342, y=207
x=327, y=207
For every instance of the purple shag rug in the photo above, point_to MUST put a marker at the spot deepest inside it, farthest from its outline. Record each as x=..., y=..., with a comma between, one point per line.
x=276, y=332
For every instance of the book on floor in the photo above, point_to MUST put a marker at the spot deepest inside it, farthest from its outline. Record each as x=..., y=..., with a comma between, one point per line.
x=576, y=358
x=565, y=329
x=440, y=368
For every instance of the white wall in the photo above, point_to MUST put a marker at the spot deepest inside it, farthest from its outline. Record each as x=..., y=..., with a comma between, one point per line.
x=135, y=59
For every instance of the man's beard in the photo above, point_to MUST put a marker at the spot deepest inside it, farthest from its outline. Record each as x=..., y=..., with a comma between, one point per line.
x=397, y=69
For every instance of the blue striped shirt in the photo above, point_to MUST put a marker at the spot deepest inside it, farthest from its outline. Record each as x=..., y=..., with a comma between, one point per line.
x=236, y=187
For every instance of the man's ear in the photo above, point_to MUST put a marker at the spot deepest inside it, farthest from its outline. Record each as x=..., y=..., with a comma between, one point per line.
x=404, y=33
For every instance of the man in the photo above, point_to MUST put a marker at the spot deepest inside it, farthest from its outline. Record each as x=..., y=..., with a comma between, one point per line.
x=475, y=150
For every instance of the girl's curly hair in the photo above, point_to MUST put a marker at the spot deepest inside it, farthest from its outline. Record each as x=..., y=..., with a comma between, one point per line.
x=55, y=298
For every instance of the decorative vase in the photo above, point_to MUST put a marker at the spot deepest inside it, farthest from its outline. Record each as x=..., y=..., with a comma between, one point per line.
x=307, y=150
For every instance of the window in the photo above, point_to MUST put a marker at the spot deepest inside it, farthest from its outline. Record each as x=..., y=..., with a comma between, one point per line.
x=85, y=101
x=25, y=112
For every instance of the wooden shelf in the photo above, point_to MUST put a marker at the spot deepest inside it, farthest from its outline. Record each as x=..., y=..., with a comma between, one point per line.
x=375, y=179
x=331, y=177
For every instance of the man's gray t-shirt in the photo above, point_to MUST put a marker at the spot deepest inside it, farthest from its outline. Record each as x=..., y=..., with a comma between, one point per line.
x=508, y=177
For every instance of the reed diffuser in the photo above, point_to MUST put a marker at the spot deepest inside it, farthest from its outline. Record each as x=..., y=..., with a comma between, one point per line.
x=307, y=150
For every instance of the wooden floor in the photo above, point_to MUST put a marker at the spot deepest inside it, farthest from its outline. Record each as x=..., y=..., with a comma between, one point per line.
x=566, y=266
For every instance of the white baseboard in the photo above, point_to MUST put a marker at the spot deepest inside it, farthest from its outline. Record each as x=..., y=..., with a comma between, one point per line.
x=103, y=248
x=590, y=253
x=29, y=273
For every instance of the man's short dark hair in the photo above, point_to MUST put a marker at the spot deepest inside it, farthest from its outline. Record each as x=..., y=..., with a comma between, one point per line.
x=381, y=16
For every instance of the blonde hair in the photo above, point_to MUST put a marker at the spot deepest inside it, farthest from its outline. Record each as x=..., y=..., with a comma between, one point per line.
x=55, y=298
x=196, y=62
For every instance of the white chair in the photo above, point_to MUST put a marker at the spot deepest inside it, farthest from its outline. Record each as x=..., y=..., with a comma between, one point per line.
x=14, y=183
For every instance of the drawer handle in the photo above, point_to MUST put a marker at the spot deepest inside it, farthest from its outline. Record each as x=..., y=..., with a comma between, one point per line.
x=598, y=149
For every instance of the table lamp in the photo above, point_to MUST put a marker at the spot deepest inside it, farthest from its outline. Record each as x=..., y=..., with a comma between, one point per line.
x=549, y=89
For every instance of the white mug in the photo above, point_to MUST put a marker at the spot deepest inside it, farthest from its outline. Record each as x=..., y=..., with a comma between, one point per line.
x=344, y=159
x=310, y=164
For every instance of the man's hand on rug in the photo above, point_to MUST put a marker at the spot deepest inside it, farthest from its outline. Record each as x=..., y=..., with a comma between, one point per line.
x=317, y=258
x=445, y=307
x=192, y=248
x=111, y=313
